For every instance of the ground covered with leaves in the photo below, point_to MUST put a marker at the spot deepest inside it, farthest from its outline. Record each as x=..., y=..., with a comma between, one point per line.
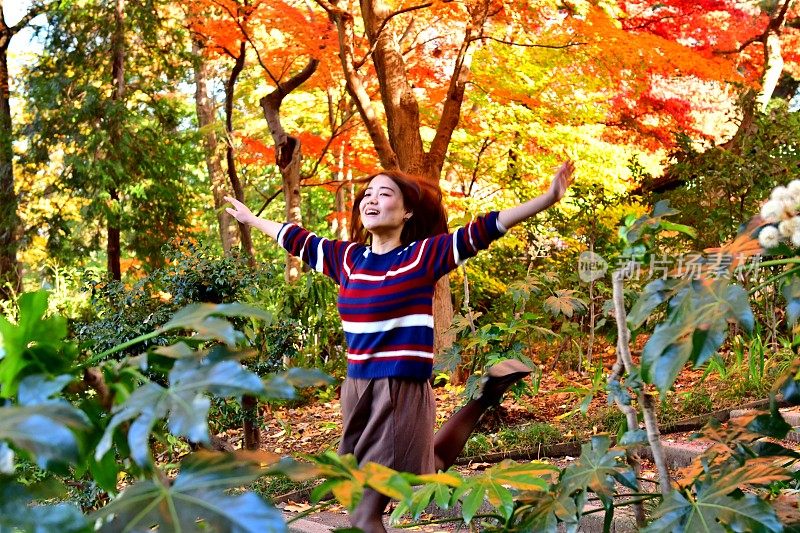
x=551, y=415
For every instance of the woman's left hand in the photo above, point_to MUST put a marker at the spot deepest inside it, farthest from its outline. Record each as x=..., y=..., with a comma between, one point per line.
x=562, y=180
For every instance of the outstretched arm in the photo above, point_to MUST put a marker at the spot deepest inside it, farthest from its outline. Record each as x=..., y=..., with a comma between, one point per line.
x=561, y=181
x=242, y=213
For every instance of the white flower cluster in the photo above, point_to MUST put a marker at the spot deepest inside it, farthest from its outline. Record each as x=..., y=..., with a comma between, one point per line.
x=782, y=212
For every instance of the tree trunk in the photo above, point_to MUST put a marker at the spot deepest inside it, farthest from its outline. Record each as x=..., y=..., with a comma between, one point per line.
x=773, y=59
x=645, y=400
x=10, y=282
x=773, y=67
x=10, y=277
x=113, y=246
x=233, y=176
x=206, y=120
x=287, y=154
x=250, y=428
x=289, y=166
x=343, y=194
x=400, y=145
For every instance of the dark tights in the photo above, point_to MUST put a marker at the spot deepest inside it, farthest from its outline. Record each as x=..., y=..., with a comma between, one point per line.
x=447, y=444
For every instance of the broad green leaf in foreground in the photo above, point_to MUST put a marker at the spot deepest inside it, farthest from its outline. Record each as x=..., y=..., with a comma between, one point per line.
x=34, y=344
x=346, y=480
x=494, y=484
x=343, y=479
x=597, y=468
x=203, y=318
x=18, y=512
x=200, y=492
x=544, y=510
x=719, y=504
x=711, y=511
x=789, y=384
x=435, y=487
x=695, y=328
x=791, y=292
x=185, y=403
x=44, y=430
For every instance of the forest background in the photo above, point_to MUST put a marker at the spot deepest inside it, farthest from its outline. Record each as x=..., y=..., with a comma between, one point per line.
x=123, y=123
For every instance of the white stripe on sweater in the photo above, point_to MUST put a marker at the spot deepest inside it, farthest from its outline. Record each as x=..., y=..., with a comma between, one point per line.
x=393, y=353
x=376, y=326
x=282, y=234
x=318, y=267
x=303, y=248
x=344, y=259
x=391, y=273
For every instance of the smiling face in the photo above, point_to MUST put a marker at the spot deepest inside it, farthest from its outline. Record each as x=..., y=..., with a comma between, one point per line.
x=382, y=208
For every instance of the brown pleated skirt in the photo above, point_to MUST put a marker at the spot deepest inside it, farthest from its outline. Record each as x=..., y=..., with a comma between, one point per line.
x=389, y=421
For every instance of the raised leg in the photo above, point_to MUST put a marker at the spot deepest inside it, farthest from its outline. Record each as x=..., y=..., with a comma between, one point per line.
x=452, y=436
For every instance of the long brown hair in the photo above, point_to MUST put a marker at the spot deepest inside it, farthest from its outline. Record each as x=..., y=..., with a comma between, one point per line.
x=421, y=197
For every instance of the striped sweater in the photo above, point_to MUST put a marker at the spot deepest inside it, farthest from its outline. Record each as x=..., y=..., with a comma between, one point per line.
x=386, y=300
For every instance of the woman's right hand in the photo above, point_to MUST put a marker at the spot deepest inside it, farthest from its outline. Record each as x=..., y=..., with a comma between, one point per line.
x=239, y=211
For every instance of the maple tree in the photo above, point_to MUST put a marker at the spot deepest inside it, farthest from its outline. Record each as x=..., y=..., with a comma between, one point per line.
x=281, y=35
x=719, y=41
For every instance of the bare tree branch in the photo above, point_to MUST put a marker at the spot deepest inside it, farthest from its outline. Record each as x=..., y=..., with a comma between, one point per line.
x=529, y=45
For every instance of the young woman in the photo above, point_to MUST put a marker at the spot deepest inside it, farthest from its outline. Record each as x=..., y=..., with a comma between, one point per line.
x=386, y=279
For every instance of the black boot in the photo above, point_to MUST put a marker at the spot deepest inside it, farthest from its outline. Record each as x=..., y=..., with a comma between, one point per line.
x=499, y=378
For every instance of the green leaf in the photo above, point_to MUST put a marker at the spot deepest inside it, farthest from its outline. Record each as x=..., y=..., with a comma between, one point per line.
x=633, y=437
x=565, y=303
x=436, y=486
x=34, y=345
x=713, y=511
x=770, y=424
x=44, y=430
x=791, y=291
x=416, y=505
x=682, y=228
x=276, y=387
x=738, y=301
x=596, y=469
x=199, y=492
x=706, y=342
x=789, y=385
x=654, y=294
x=178, y=350
x=386, y=481
x=547, y=510
x=522, y=476
x=665, y=353
x=294, y=469
x=662, y=209
x=344, y=478
x=39, y=389
x=202, y=318
x=694, y=329
x=185, y=403
x=105, y=471
x=472, y=501
x=20, y=512
x=442, y=496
